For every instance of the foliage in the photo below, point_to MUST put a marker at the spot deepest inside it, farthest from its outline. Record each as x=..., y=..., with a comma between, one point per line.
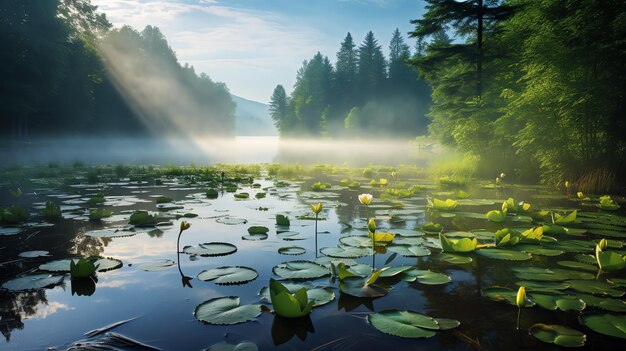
x=287, y=304
x=142, y=218
x=51, y=211
x=13, y=215
x=83, y=268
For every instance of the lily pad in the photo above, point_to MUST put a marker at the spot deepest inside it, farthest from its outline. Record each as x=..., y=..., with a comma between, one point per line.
x=452, y=258
x=258, y=230
x=231, y=220
x=558, y=335
x=291, y=235
x=10, y=231
x=108, y=264
x=316, y=294
x=291, y=250
x=254, y=237
x=357, y=286
x=406, y=324
x=346, y=252
x=33, y=282
x=578, y=265
x=110, y=233
x=498, y=293
x=229, y=275
x=356, y=241
x=605, y=303
x=210, y=249
x=226, y=310
x=595, y=287
x=242, y=346
x=300, y=270
x=426, y=277
x=409, y=250
x=605, y=323
x=500, y=254
x=34, y=253
x=156, y=265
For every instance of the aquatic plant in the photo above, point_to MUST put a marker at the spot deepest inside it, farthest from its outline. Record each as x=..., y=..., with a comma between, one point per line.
x=520, y=301
x=317, y=208
x=457, y=245
x=97, y=214
x=609, y=260
x=287, y=304
x=142, y=219
x=13, y=215
x=83, y=268
x=441, y=205
x=607, y=204
x=52, y=211
x=282, y=220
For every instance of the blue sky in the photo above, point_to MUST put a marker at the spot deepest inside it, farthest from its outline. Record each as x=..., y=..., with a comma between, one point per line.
x=252, y=45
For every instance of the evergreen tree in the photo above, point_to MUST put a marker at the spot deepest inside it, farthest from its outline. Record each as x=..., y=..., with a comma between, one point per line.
x=398, y=54
x=372, y=66
x=279, y=110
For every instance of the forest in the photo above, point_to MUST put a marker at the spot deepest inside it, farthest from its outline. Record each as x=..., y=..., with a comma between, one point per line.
x=65, y=71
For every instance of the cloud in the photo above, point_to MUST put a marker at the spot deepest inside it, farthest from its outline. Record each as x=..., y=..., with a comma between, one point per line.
x=251, y=50
x=43, y=310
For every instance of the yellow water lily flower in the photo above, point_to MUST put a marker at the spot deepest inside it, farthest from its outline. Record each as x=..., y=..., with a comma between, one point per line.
x=520, y=301
x=366, y=199
x=184, y=225
x=371, y=225
x=316, y=208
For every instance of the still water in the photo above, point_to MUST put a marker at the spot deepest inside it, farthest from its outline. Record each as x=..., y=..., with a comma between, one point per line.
x=161, y=307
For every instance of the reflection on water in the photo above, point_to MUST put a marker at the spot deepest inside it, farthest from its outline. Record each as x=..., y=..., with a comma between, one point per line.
x=241, y=149
x=163, y=301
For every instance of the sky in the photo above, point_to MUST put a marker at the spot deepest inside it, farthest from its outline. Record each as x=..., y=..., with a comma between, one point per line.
x=253, y=45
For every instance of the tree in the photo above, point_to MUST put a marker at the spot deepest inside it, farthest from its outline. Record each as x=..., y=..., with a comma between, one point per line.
x=279, y=109
x=468, y=19
x=372, y=66
x=346, y=66
x=398, y=54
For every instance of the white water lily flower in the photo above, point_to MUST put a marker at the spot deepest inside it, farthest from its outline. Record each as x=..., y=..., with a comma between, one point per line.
x=366, y=199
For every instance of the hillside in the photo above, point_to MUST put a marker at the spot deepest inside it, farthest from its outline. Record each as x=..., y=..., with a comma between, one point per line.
x=253, y=118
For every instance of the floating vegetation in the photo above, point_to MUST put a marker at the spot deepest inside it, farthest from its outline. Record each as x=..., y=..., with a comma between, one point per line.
x=558, y=335
x=229, y=275
x=210, y=249
x=226, y=310
x=409, y=324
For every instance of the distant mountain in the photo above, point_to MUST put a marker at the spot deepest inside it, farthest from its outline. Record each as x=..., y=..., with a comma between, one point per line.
x=253, y=118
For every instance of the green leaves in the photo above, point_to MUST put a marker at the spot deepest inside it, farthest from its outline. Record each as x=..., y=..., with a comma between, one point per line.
x=558, y=335
x=605, y=323
x=226, y=310
x=457, y=245
x=496, y=216
x=300, y=270
x=287, y=304
x=83, y=268
x=210, y=249
x=447, y=205
x=607, y=204
x=408, y=324
x=229, y=275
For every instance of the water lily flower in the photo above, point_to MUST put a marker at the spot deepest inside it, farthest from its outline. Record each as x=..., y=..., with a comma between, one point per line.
x=316, y=208
x=371, y=225
x=567, y=184
x=497, y=180
x=184, y=225
x=520, y=300
x=366, y=199
x=580, y=194
x=502, y=175
x=287, y=304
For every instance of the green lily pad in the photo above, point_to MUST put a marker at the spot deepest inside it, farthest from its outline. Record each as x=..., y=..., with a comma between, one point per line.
x=578, y=265
x=32, y=282
x=231, y=220
x=553, y=274
x=536, y=285
x=409, y=250
x=604, y=303
x=254, y=237
x=229, y=275
x=346, y=252
x=291, y=250
x=210, y=249
x=498, y=293
x=452, y=258
x=408, y=324
x=226, y=310
x=500, y=254
x=595, y=287
x=539, y=250
x=357, y=286
x=356, y=241
x=605, y=323
x=156, y=265
x=242, y=346
x=425, y=277
x=317, y=295
x=258, y=230
x=558, y=335
x=56, y=266
x=562, y=302
x=110, y=233
x=108, y=264
x=300, y=270
x=34, y=253
x=290, y=235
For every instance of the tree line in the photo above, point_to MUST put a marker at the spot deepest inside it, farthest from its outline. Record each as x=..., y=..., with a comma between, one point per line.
x=362, y=92
x=56, y=79
x=535, y=88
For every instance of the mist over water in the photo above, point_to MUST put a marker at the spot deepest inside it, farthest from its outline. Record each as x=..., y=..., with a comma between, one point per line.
x=209, y=150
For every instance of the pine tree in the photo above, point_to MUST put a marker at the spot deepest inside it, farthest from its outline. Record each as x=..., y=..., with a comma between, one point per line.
x=372, y=66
